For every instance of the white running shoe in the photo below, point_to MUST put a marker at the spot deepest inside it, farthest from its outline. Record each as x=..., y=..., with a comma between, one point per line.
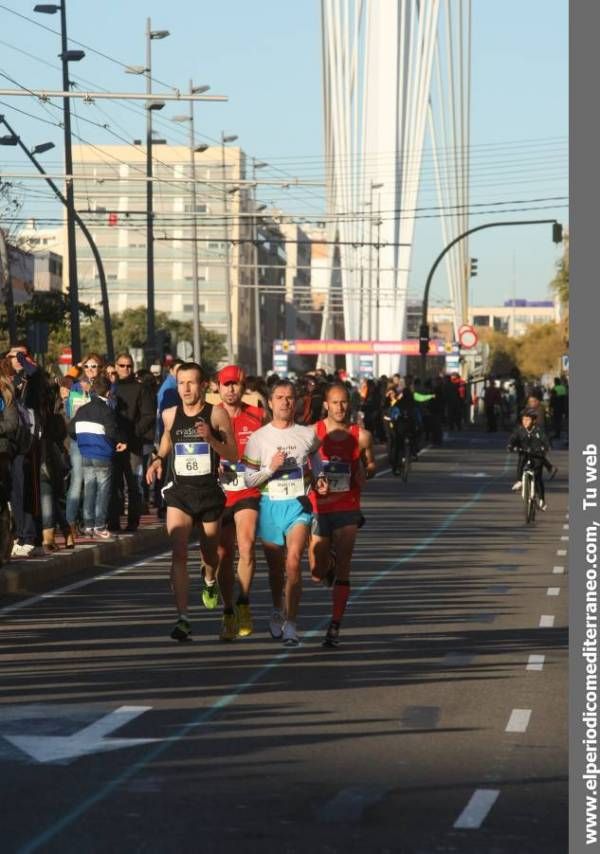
x=542, y=504
x=290, y=635
x=516, y=486
x=276, y=624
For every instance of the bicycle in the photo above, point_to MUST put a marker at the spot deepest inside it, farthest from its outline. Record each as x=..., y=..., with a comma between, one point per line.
x=528, y=488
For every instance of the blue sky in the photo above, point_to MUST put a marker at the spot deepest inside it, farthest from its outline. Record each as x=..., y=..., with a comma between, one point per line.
x=266, y=57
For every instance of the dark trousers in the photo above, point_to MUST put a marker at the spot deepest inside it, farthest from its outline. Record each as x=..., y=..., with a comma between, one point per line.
x=126, y=472
x=25, y=498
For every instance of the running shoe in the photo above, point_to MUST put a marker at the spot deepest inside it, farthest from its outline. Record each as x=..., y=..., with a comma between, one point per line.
x=210, y=596
x=182, y=630
x=542, y=505
x=276, y=624
x=87, y=532
x=516, y=486
x=332, y=638
x=229, y=627
x=289, y=634
x=103, y=534
x=244, y=619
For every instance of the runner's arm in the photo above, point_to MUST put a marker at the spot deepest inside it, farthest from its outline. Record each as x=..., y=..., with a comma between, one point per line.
x=226, y=446
x=157, y=465
x=365, y=443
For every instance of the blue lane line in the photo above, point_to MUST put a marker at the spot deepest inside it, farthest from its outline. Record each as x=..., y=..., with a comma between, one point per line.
x=222, y=703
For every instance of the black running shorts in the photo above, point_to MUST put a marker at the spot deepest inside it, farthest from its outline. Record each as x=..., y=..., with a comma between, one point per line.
x=252, y=503
x=203, y=505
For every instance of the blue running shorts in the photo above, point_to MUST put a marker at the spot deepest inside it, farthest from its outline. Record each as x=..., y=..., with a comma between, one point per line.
x=277, y=518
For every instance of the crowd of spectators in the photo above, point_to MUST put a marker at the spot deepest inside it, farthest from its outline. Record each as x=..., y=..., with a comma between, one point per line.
x=74, y=448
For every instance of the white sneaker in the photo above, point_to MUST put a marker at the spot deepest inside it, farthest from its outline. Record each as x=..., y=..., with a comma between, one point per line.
x=276, y=624
x=516, y=486
x=27, y=550
x=290, y=635
x=542, y=504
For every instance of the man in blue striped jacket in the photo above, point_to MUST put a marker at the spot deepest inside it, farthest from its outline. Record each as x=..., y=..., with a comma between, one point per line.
x=96, y=430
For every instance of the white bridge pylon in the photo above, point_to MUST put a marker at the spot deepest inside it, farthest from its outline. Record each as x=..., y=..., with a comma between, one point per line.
x=388, y=66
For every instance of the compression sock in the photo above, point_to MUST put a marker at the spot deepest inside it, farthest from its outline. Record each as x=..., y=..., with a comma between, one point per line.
x=340, y=594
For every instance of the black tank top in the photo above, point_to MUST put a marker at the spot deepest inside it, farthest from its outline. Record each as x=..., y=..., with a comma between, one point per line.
x=193, y=461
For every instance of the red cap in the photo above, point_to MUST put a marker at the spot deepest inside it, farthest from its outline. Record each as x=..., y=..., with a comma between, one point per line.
x=231, y=374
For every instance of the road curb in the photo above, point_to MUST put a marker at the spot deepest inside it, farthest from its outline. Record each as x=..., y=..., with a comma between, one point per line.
x=33, y=574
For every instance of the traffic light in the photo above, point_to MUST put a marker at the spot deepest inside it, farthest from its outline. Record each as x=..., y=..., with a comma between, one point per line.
x=473, y=268
x=557, y=234
x=163, y=343
x=424, y=339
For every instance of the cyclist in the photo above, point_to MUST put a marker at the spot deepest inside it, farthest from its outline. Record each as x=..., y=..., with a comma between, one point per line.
x=277, y=460
x=528, y=438
x=344, y=460
x=195, y=436
x=241, y=508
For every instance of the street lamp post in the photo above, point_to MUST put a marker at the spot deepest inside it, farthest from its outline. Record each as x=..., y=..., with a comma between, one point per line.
x=40, y=149
x=228, y=314
x=256, y=164
x=194, y=149
x=67, y=56
x=424, y=328
x=151, y=35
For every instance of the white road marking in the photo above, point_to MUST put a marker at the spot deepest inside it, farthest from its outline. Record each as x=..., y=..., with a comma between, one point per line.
x=380, y=473
x=553, y=591
x=565, y=539
x=561, y=553
x=536, y=662
x=547, y=621
x=91, y=739
x=565, y=527
x=558, y=570
x=475, y=812
x=519, y=720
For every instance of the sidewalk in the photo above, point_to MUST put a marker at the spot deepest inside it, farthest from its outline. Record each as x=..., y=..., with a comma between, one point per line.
x=30, y=575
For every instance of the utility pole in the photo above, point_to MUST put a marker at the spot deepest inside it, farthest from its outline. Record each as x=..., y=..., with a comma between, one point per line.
x=228, y=317
x=7, y=289
x=257, y=331
x=195, y=294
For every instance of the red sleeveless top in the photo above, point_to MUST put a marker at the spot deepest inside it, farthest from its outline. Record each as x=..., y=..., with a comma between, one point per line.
x=338, y=461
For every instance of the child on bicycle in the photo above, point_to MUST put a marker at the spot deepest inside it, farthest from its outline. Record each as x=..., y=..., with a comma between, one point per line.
x=528, y=438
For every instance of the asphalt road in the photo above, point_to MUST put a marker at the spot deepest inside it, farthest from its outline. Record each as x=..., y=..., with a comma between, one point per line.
x=439, y=724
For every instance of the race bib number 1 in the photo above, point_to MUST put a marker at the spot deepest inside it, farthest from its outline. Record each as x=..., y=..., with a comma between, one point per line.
x=286, y=483
x=192, y=459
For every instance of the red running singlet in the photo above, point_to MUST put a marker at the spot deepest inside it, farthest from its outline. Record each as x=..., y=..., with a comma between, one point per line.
x=339, y=459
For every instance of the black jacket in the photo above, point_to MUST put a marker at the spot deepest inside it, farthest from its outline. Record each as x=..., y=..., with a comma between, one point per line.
x=136, y=412
x=534, y=441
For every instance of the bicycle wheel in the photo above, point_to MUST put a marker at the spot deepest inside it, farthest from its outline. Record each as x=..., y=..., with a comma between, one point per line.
x=406, y=460
x=532, y=504
x=526, y=495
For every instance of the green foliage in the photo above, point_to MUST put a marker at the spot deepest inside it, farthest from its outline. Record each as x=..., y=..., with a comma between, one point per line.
x=51, y=307
x=129, y=330
x=535, y=353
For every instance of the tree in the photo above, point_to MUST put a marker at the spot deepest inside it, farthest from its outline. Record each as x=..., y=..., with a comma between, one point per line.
x=51, y=307
x=129, y=331
x=502, y=352
x=540, y=350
